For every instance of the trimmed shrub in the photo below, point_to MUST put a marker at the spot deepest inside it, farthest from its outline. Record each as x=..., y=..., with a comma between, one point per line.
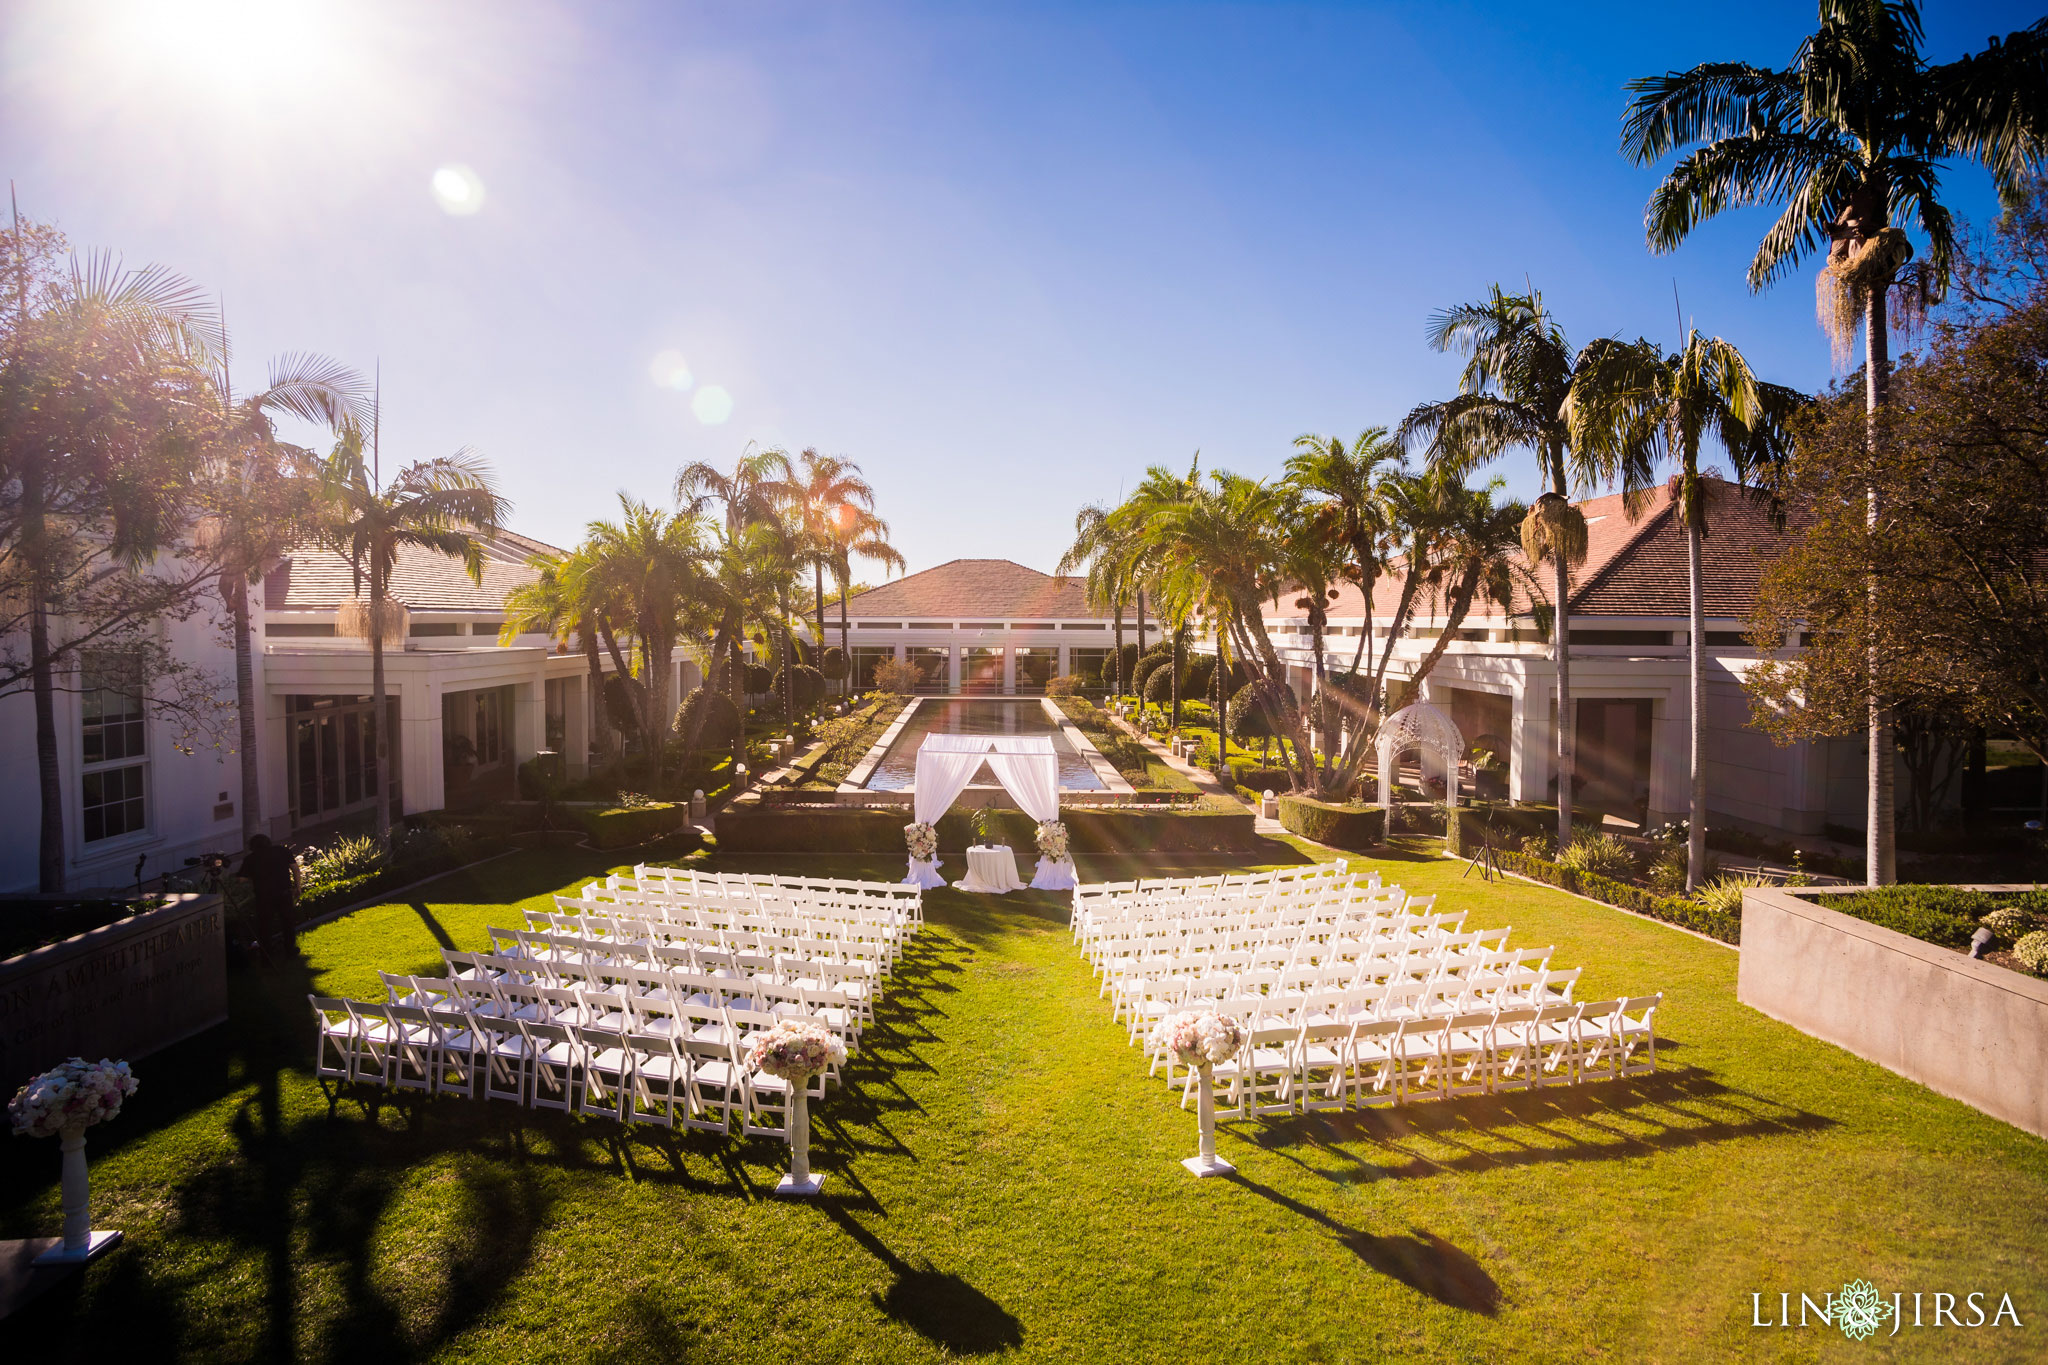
x=1159, y=685
x=2011, y=923
x=1065, y=685
x=622, y=703
x=1674, y=910
x=623, y=826
x=757, y=680
x=2032, y=951
x=1245, y=773
x=808, y=685
x=1347, y=827
x=832, y=663
x=1946, y=915
x=720, y=719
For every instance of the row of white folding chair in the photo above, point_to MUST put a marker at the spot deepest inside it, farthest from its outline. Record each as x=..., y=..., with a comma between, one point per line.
x=671, y=1079
x=776, y=900
x=1320, y=901
x=630, y=936
x=1388, y=1000
x=558, y=957
x=633, y=930
x=641, y=1000
x=870, y=926
x=1195, y=938
x=1270, y=877
x=905, y=904
x=1330, y=916
x=906, y=899
x=1142, y=1001
x=1122, y=975
x=1149, y=902
x=1310, y=1064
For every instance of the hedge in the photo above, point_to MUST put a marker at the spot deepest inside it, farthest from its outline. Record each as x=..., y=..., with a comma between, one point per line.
x=623, y=826
x=1673, y=910
x=1215, y=823
x=1944, y=915
x=1347, y=827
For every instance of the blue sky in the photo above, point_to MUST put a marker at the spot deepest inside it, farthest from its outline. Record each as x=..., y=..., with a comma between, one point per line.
x=1005, y=256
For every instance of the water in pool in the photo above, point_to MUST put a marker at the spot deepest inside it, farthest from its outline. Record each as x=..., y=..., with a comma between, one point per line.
x=977, y=716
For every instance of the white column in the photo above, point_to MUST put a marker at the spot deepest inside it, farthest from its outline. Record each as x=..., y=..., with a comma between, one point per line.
x=419, y=745
x=1064, y=666
x=1009, y=667
x=529, y=716
x=1670, y=755
x=1529, y=746
x=953, y=667
x=576, y=725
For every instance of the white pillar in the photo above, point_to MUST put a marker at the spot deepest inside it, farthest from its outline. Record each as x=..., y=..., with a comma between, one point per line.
x=1009, y=669
x=1530, y=743
x=419, y=746
x=1387, y=784
x=1451, y=806
x=953, y=667
x=1063, y=667
x=1670, y=755
x=529, y=717
x=576, y=725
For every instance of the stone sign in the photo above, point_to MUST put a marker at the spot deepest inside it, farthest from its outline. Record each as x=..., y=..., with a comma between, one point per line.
x=123, y=990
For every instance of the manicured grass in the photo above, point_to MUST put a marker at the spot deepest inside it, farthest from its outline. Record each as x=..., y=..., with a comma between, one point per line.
x=1003, y=1176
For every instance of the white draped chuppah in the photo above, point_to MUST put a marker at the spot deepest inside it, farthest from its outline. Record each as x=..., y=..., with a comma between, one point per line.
x=1025, y=765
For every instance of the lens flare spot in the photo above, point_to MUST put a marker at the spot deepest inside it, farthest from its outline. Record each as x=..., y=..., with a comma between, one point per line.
x=712, y=405
x=669, y=370
x=458, y=190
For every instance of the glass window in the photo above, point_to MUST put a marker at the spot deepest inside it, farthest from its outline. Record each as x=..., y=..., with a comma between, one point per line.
x=113, y=740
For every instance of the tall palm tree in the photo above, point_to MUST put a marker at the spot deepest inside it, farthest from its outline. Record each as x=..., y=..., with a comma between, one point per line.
x=1518, y=371
x=1348, y=487
x=1476, y=554
x=568, y=597
x=1640, y=410
x=752, y=493
x=259, y=496
x=826, y=491
x=853, y=531
x=441, y=505
x=1312, y=560
x=1849, y=137
x=1103, y=549
x=653, y=564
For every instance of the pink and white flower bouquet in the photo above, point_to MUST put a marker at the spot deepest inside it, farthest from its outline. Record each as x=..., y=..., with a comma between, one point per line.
x=796, y=1050
x=71, y=1094
x=1052, y=841
x=922, y=840
x=1198, y=1036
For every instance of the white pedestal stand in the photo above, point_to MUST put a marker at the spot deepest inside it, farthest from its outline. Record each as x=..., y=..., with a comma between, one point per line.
x=80, y=1242
x=799, y=1181
x=1207, y=1163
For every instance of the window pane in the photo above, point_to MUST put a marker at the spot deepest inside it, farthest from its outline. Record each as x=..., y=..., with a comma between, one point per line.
x=330, y=764
x=352, y=757
x=113, y=802
x=307, y=760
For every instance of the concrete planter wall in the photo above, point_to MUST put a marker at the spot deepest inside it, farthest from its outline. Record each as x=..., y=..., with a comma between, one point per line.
x=122, y=990
x=1970, y=1030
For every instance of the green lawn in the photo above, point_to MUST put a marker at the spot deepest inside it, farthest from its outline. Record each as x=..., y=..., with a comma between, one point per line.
x=1003, y=1177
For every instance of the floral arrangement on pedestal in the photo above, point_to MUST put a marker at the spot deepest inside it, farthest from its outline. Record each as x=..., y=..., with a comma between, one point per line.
x=73, y=1094
x=1052, y=841
x=793, y=1052
x=1200, y=1039
x=62, y=1103
x=922, y=840
x=796, y=1050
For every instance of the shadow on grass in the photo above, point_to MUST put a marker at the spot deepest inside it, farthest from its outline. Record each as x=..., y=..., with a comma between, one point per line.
x=1668, y=1111
x=938, y=1305
x=1421, y=1260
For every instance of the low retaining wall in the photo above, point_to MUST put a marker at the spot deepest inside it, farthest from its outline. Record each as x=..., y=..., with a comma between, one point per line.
x=122, y=990
x=1970, y=1030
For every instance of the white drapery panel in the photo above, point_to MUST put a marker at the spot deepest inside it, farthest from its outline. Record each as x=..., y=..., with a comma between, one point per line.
x=941, y=776
x=1025, y=765
x=1032, y=780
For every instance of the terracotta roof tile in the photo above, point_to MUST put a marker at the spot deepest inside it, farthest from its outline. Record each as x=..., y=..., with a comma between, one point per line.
x=995, y=589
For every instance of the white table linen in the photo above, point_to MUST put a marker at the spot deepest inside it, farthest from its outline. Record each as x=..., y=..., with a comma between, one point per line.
x=991, y=871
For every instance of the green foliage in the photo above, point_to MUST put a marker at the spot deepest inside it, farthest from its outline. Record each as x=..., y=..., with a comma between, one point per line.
x=757, y=680
x=622, y=703
x=637, y=822
x=2011, y=923
x=832, y=663
x=1692, y=915
x=1065, y=685
x=1947, y=915
x=349, y=856
x=2032, y=951
x=1339, y=826
x=1667, y=874
x=1600, y=854
x=715, y=713
x=1723, y=895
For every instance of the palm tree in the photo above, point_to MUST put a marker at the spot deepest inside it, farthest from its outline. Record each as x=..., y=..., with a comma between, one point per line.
x=1312, y=560
x=1100, y=547
x=855, y=531
x=1518, y=372
x=1476, y=554
x=567, y=596
x=652, y=563
x=752, y=493
x=1640, y=409
x=441, y=505
x=1849, y=137
x=1349, y=491
x=259, y=493
x=826, y=492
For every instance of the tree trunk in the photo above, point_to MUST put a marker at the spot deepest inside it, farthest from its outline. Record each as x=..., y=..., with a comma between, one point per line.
x=1561, y=651
x=379, y=712
x=601, y=729
x=1141, y=628
x=1176, y=680
x=1880, y=840
x=1696, y=690
x=1117, y=655
x=818, y=588
x=50, y=845
x=235, y=588
x=1223, y=706
x=845, y=647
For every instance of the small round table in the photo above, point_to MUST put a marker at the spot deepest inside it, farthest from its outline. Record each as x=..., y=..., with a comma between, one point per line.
x=991, y=870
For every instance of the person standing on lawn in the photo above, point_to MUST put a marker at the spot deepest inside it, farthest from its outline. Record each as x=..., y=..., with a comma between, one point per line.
x=274, y=875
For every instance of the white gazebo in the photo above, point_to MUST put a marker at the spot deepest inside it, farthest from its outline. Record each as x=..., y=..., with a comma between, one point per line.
x=1026, y=766
x=1429, y=730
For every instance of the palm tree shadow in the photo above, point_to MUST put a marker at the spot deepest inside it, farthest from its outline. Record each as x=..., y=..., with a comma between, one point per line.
x=938, y=1305
x=1421, y=1260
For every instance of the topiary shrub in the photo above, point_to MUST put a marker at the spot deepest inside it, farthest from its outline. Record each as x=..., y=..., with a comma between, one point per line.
x=623, y=825
x=1065, y=685
x=807, y=685
x=757, y=680
x=832, y=664
x=1346, y=827
x=622, y=703
x=2032, y=952
x=713, y=715
x=1159, y=685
